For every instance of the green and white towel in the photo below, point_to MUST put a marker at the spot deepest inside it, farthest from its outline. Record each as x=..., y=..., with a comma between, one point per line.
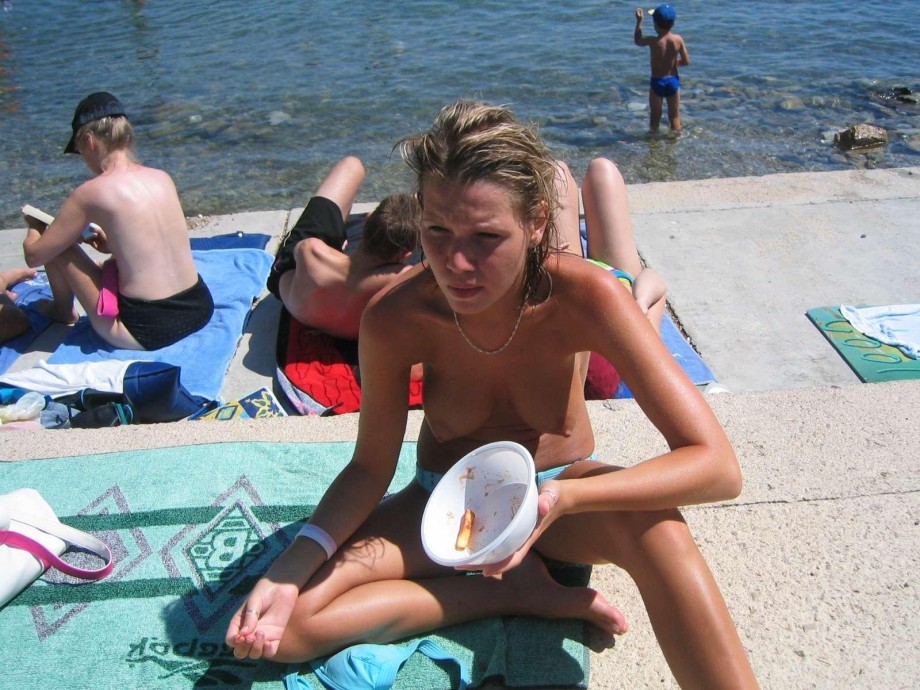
x=191, y=528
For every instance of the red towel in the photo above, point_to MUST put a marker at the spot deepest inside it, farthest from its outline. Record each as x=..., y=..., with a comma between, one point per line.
x=324, y=367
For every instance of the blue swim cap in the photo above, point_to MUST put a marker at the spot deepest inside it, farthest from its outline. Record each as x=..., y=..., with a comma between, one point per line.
x=664, y=13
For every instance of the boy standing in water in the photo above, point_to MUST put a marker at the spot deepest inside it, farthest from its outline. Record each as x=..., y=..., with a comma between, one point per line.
x=667, y=52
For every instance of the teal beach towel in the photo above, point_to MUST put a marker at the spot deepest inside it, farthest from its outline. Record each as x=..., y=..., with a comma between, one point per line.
x=191, y=528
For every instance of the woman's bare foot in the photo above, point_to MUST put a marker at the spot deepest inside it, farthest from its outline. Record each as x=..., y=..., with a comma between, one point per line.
x=51, y=310
x=546, y=598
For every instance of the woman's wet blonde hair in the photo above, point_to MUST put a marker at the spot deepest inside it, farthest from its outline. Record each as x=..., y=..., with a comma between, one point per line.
x=475, y=142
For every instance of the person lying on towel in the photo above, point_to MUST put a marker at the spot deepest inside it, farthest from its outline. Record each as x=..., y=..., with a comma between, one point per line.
x=611, y=243
x=318, y=283
x=148, y=294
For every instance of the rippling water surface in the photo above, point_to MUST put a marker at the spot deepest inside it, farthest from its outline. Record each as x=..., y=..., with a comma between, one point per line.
x=248, y=104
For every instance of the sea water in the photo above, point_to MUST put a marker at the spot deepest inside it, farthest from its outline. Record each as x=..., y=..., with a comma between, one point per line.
x=249, y=103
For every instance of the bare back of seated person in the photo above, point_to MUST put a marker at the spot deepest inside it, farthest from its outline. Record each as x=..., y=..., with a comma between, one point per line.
x=317, y=281
x=145, y=229
x=335, y=287
x=139, y=221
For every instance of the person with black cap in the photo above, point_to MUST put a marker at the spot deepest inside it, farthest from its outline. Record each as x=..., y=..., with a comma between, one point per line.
x=668, y=51
x=148, y=294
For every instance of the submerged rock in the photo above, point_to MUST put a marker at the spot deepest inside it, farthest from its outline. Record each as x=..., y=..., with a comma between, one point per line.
x=792, y=103
x=896, y=96
x=905, y=95
x=862, y=136
x=278, y=117
x=913, y=143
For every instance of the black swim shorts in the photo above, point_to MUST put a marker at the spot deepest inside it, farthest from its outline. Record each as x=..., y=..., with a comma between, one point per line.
x=158, y=323
x=322, y=218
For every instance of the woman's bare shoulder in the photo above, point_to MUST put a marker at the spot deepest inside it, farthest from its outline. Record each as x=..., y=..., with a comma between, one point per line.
x=591, y=302
x=409, y=297
x=582, y=280
x=397, y=323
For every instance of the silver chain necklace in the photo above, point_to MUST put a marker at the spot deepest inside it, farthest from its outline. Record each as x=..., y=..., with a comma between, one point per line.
x=513, y=331
x=490, y=352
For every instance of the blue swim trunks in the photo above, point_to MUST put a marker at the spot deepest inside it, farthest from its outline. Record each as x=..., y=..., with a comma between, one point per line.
x=429, y=479
x=664, y=86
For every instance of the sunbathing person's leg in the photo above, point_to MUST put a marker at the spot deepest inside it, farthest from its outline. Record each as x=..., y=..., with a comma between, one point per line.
x=60, y=307
x=342, y=183
x=73, y=274
x=339, y=187
x=567, y=217
x=568, y=230
x=610, y=234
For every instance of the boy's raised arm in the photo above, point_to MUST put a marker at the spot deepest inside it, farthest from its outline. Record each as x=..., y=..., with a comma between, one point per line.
x=637, y=34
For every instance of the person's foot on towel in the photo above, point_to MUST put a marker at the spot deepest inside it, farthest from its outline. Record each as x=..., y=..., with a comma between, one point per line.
x=547, y=598
x=53, y=312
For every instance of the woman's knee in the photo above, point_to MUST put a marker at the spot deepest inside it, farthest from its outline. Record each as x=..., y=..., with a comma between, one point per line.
x=302, y=639
x=652, y=538
x=563, y=172
x=604, y=169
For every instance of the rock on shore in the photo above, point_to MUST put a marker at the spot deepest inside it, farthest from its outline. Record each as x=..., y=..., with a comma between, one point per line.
x=862, y=136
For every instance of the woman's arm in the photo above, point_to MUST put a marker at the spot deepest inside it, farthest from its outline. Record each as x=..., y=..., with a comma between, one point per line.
x=258, y=625
x=39, y=248
x=600, y=315
x=701, y=466
x=385, y=369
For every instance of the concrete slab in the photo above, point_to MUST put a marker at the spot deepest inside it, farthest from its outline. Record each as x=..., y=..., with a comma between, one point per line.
x=745, y=258
x=816, y=558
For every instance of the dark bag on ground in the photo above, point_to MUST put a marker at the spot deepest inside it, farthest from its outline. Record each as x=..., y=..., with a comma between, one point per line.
x=151, y=392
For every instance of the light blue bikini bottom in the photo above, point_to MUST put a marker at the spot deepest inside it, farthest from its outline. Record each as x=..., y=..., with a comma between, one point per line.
x=428, y=479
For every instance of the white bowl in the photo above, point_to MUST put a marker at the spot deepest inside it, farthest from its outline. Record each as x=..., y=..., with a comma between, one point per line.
x=497, y=482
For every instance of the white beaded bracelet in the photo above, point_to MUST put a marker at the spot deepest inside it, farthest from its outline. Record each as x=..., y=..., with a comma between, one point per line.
x=321, y=537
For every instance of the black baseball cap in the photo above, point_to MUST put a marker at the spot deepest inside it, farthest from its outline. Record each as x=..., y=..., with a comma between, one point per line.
x=94, y=107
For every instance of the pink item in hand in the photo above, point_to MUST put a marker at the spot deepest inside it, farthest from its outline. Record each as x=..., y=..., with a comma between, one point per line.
x=107, y=305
